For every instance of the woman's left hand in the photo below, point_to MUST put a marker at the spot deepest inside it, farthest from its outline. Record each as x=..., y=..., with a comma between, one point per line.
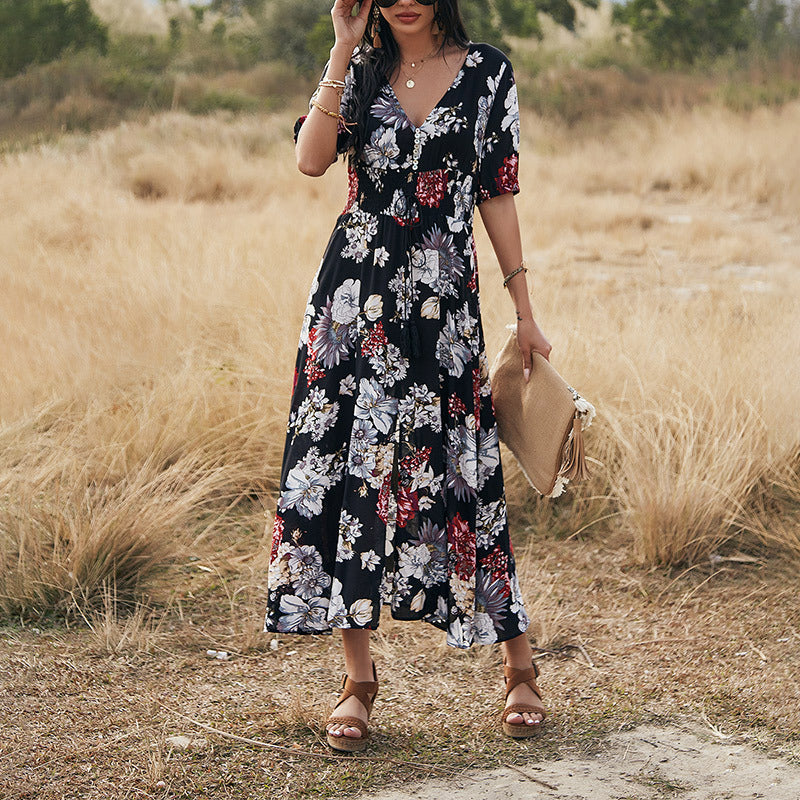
x=530, y=338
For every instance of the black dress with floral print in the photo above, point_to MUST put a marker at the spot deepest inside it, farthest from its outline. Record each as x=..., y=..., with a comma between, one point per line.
x=391, y=485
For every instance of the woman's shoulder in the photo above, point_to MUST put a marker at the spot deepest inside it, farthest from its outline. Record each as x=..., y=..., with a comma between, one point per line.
x=489, y=56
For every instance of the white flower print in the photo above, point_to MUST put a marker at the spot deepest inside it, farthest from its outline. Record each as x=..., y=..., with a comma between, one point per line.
x=468, y=327
x=488, y=454
x=317, y=414
x=370, y=560
x=484, y=105
x=359, y=230
x=347, y=384
x=430, y=308
x=349, y=526
x=332, y=341
x=361, y=612
x=307, y=482
x=450, y=265
x=462, y=462
x=337, y=611
x=382, y=149
x=362, y=456
x=425, y=265
x=462, y=205
x=389, y=364
x=490, y=520
x=297, y=614
x=345, y=305
x=381, y=257
x=374, y=405
x=418, y=602
x=412, y=560
x=450, y=350
x=459, y=633
x=511, y=119
x=373, y=307
x=483, y=628
x=421, y=406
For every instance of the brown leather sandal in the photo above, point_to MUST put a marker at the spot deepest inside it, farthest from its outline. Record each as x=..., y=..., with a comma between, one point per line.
x=513, y=677
x=362, y=690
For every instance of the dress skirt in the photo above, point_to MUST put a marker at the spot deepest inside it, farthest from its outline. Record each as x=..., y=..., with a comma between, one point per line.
x=391, y=488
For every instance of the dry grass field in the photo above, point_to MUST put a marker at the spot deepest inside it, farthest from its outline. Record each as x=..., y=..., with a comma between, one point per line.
x=152, y=283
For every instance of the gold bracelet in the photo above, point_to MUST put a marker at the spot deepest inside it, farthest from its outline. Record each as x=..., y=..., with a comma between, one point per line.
x=331, y=82
x=520, y=268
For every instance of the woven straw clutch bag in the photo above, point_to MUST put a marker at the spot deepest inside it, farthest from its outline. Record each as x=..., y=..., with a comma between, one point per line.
x=541, y=421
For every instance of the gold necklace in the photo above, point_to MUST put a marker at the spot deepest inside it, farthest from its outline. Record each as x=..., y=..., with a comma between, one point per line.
x=410, y=82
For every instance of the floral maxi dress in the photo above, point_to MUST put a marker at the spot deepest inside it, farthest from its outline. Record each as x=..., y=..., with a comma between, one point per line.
x=391, y=486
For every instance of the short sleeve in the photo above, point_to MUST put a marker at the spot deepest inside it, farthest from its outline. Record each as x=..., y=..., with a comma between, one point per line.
x=344, y=136
x=499, y=151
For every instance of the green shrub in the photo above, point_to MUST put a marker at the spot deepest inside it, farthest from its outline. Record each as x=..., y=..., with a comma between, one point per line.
x=39, y=31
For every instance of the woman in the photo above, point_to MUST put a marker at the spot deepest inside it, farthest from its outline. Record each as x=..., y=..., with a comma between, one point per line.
x=392, y=488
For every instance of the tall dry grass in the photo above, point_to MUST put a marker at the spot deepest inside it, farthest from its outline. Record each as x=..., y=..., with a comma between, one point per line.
x=154, y=278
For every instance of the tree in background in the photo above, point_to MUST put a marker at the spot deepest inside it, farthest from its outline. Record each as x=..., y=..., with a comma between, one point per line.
x=776, y=24
x=38, y=31
x=681, y=32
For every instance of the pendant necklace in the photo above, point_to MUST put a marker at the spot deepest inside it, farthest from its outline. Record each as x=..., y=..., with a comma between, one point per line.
x=410, y=82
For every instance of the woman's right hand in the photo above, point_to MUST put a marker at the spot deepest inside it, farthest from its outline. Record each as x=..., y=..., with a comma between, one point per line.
x=349, y=29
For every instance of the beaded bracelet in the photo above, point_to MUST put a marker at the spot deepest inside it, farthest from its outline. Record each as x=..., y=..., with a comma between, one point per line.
x=326, y=111
x=343, y=123
x=520, y=268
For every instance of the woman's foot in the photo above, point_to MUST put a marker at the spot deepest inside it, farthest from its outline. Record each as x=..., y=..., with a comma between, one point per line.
x=523, y=694
x=352, y=707
x=524, y=713
x=346, y=728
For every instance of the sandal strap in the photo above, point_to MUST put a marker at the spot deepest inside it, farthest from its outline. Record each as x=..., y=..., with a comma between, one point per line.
x=364, y=691
x=351, y=722
x=514, y=677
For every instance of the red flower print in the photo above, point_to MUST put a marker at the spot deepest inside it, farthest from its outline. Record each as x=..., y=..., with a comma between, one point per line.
x=352, y=188
x=455, y=405
x=461, y=543
x=313, y=371
x=375, y=340
x=411, y=463
x=407, y=505
x=431, y=187
x=277, y=535
x=294, y=380
x=507, y=180
x=497, y=564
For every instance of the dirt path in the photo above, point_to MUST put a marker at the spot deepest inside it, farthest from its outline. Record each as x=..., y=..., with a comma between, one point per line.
x=642, y=764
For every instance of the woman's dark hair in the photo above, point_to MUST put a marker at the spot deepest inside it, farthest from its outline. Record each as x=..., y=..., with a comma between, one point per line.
x=382, y=61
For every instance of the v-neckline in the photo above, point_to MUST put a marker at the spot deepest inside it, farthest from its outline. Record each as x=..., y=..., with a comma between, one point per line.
x=455, y=80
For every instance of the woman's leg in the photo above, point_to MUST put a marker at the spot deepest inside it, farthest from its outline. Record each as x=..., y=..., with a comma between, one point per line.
x=358, y=665
x=518, y=655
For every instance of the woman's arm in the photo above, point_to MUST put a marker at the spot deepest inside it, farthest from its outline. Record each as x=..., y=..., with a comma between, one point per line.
x=316, y=140
x=499, y=216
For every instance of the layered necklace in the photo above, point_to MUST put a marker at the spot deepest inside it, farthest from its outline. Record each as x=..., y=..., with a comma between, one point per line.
x=410, y=82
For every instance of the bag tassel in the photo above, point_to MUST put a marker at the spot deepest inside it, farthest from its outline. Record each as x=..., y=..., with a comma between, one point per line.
x=574, y=464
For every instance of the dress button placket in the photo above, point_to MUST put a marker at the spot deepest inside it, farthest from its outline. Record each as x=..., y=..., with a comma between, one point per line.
x=417, y=150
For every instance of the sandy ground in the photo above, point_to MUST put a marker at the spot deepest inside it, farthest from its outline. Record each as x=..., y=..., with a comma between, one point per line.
x=641, y=764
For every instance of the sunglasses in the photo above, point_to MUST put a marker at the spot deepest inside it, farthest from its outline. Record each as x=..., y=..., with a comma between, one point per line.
x=390, y=3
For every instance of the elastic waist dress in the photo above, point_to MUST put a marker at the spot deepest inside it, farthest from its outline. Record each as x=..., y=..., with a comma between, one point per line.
x=391, y=488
